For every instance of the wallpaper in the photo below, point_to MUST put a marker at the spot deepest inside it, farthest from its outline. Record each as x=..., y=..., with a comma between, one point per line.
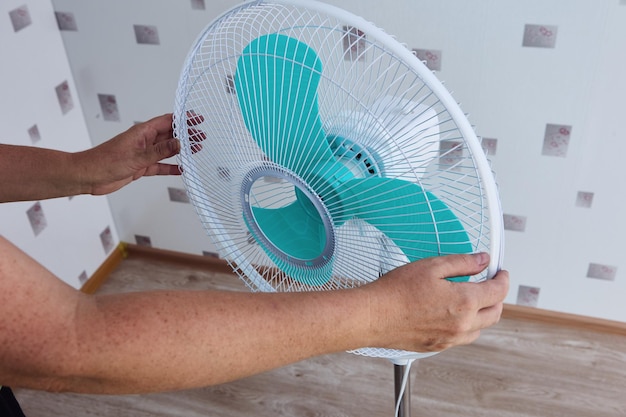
x=39, y=106
x=542, y=82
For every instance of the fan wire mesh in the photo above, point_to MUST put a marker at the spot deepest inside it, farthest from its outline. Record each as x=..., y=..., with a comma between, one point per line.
x=369, y=97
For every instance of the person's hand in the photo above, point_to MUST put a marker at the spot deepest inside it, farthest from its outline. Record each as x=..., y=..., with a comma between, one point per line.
x=135, y=153
x=415, y=308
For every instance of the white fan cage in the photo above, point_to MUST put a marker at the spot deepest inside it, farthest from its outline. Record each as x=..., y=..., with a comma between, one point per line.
x=374, y=91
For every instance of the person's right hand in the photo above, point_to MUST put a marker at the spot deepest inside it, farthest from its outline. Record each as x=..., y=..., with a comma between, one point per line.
x=415, y=308
x=136, y=153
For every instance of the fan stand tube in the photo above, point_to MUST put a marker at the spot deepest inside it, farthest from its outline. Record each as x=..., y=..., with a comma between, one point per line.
x=403, y=397
x=402, y=386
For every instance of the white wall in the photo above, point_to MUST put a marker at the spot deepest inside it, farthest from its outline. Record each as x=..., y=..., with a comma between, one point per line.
x=512, y=93
x=106, y=59
x=564, y=87
x=39, y=106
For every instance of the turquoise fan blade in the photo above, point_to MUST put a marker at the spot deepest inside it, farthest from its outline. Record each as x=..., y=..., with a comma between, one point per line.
x=419, y=223
x=276, y=81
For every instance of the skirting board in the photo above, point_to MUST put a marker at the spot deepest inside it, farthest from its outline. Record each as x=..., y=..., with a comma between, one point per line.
x=103, y=272
x=517, y=312
x=511, y=311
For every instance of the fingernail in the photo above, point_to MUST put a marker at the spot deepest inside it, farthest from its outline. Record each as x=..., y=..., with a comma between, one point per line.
x=481, y=258
x=174, y=146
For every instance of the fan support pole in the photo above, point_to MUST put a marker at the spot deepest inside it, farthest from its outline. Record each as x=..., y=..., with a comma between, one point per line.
x=401, y=374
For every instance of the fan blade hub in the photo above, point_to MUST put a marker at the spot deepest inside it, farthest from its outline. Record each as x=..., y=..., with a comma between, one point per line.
x=294, y=230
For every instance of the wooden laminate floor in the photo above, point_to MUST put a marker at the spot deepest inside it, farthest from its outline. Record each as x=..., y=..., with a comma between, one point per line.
x=515, y=369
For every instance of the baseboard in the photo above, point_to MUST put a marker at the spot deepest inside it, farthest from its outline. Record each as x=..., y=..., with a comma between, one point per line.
x=103, y=272
x=214, y=263
x=511, y=311
x=517, y=312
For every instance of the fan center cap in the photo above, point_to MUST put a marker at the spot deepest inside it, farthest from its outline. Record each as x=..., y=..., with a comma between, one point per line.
x=288, y=220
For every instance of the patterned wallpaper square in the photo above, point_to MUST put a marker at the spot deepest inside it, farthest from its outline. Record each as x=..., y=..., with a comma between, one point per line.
x=432, y=58
x=83, y=278
x=514, y=222
x=33, y=134
x=556, y=140
x=143, y=240
x=108, y=107
x=66, y=21
x=146, y=34
x=528, y=296
x=584, y=199
x=354, y=44
x=178, y=194
x=599, y=271
x=198, y=5
x=106, y=238
x=36, y=218
x=540, y=36
x=490, y=146
x=450, y=152
x=64, y=96
x=20, y=18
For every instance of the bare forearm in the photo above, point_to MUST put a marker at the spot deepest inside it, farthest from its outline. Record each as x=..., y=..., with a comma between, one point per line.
x=55, y=338
x=30, y=173
x=171, y=340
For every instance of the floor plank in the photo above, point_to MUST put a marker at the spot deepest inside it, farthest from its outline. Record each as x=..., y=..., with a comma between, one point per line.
x=516, y=369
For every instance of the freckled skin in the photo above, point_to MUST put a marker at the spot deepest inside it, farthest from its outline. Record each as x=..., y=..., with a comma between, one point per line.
x=53, y=337
x=56, y=338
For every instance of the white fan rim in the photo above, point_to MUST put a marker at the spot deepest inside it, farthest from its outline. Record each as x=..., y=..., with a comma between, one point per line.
x=485, y=172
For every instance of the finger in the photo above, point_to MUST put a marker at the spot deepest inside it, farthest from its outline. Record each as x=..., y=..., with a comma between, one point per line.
x=492, y=291
x=161, y=123
x=163, y=150
x=162, y=169
x=489, y=316
x=456, y=265
x=163, y=129
x=193, y=118
x=168, y=169
x=196, y=147
x=196, y=135
x=486, y=299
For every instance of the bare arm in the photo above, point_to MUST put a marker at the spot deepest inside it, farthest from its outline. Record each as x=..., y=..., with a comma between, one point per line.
x=31, y=173
x=55, y=338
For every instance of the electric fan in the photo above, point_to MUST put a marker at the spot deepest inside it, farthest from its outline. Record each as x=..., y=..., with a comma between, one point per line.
x=333, y=154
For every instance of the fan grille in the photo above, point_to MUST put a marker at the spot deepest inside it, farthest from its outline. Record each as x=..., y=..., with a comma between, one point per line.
x=384, y=115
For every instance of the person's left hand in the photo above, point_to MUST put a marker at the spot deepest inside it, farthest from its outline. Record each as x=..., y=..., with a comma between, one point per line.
x=136, y=153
